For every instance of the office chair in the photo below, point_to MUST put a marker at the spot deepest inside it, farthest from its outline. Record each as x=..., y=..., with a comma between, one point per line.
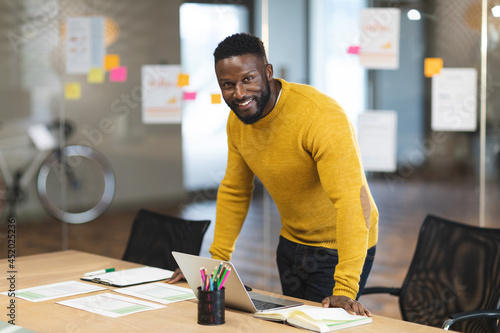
x=454, y=276
x=154, y=236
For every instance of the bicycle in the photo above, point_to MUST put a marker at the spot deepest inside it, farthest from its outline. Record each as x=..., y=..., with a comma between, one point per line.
x=74, y=183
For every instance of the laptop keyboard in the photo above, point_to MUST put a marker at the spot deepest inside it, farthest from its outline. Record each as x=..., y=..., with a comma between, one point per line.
x=263, y=305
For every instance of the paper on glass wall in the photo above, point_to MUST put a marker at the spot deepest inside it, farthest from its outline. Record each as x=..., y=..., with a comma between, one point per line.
x=161, y=94
x=454, y=100
x=379, y=38
x=377, y=132
x=85, y=48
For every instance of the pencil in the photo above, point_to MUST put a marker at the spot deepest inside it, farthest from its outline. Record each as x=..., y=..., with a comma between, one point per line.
x=226, y=273
x=202, y=270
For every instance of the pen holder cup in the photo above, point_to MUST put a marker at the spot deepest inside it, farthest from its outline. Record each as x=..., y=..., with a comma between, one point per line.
x=211, y=307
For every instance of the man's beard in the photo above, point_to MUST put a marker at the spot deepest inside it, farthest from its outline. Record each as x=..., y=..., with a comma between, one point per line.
x=261, y=105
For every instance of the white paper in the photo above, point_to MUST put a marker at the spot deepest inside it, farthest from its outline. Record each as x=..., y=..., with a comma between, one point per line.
x=161, y=96
x=131, y=276
x=56, y=290
x=159, y=292
x=110, y=305
x=379, y=38
x=85, y=48
x=377, y=134
x=454, y=100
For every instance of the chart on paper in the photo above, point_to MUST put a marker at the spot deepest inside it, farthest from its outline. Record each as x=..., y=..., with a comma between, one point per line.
x=159, y=292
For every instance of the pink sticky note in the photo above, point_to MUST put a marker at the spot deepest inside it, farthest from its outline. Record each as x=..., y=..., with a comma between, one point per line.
x=189, y=95
x=353, y=50
x=118, y=74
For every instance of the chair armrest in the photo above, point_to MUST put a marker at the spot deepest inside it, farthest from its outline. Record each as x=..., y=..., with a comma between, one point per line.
x=455, y=318
x=381, y=290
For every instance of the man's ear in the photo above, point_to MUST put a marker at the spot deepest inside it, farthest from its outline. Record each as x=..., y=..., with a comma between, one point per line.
x=269, y=72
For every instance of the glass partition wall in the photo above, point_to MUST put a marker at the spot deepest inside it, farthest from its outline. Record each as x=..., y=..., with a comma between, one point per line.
x=463, y=36
x=86, y=73
x=490, y=109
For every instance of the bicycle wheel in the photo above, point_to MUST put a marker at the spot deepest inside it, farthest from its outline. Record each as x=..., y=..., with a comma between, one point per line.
x=76, y=186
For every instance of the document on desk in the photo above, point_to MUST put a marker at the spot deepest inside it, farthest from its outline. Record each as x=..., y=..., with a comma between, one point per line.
x=159, y=292
x=110, y=305
x=130, y=277
x=55, y=290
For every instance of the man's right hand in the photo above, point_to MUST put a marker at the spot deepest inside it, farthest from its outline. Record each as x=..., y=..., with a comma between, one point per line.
x=176, y=277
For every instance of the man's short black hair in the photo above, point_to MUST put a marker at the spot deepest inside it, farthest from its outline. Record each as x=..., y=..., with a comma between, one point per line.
x=240, y=44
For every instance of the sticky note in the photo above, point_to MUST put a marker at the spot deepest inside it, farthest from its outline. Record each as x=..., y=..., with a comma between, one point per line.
x=95, y=75
x=183, y=80
x=216, y=99
x=72, y=90
x=353, y=50
x=432, y=66
x=189, y=95
x=111, y=61
x=118, y=74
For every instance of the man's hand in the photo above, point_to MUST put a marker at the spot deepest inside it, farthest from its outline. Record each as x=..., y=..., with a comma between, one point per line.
x=348, y=304
x=176, y=277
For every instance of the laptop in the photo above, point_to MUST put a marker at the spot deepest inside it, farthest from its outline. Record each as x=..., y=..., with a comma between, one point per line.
x=236, y=295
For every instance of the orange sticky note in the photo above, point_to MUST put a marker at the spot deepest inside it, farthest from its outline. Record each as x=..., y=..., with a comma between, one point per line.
x=183, y=80
x=95, y=75
x=111, y=61
x=216, y=99
x=72, y=90
x=432, y=66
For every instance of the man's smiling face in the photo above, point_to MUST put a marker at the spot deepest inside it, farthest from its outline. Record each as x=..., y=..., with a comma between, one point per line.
x=244, y=83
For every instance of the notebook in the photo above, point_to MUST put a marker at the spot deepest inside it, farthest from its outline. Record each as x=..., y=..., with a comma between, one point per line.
x=237, y=296
x=130, y=277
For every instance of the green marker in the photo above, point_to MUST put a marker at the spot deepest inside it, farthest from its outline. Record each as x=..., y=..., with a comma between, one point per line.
x=101, y=271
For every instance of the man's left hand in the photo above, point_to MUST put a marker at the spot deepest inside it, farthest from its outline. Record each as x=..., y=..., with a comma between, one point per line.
x=348, y=304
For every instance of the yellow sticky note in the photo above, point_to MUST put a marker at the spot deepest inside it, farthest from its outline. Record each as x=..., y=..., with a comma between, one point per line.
x=216, y=99
x=111, y=61
x=432, y=66
x=183, y=80
x=95, y=75
x=72, y=90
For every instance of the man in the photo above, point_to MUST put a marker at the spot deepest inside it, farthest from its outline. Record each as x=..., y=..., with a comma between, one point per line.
x=302, y=147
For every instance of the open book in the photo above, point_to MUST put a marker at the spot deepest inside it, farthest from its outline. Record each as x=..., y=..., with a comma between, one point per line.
x=315, y=318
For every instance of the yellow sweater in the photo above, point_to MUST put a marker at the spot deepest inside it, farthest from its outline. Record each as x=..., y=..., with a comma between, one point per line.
x=306, y=154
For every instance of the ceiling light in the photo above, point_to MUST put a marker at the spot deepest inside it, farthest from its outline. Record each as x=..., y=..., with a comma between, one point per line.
x=496, y=11
x=414, y=15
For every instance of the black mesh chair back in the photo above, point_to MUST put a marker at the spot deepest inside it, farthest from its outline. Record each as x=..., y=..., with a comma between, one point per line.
x=455, y=268
x=154, y=236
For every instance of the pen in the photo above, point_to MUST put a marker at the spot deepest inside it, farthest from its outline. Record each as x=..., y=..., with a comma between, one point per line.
x=101, y=271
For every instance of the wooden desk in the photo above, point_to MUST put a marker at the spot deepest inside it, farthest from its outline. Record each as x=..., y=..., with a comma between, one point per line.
x=37, y=270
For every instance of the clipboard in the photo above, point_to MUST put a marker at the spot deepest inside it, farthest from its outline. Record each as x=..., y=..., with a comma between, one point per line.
x=130, y=277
